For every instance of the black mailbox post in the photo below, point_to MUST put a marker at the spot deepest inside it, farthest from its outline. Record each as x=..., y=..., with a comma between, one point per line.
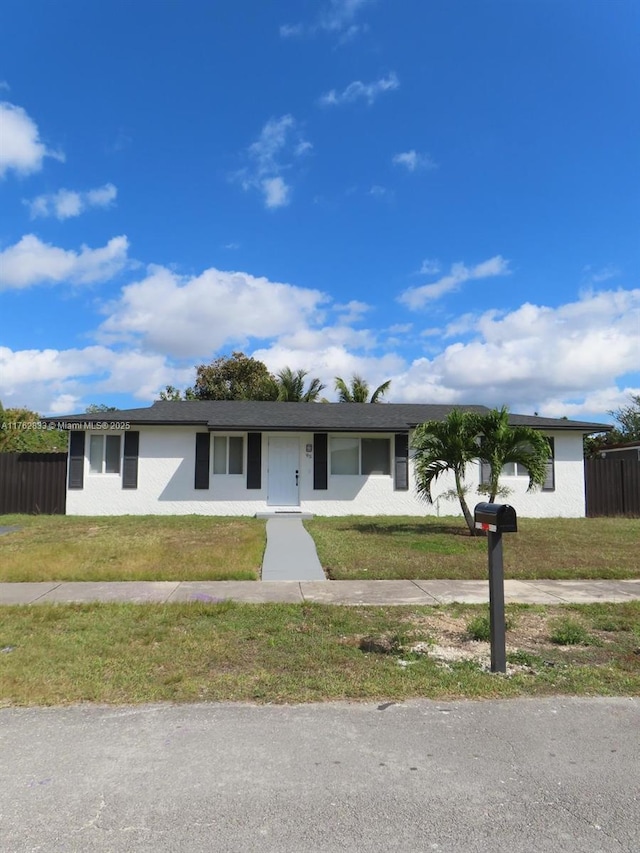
x=496, y=519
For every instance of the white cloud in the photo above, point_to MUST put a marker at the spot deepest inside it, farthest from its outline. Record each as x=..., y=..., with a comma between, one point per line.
x=336, y=18
x=380, y=192
x=339, y=15
x=400, y=328
x=276, y=192
x=291, y=30
x=417, y=297
x=65, y=204
x=30, y=262
x=352, y=311
x=563, y=360
x=429, y=266
x=194, y=317
x=278, y=146
x=22, y=148
x=328, y=358
x=598, y=276
x=414, y=161
x=64, y=381
x=4, y=85
x=552, y=360
x=357, y=91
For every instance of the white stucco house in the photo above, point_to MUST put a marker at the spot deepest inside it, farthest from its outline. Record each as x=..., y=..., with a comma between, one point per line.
x=244, y=458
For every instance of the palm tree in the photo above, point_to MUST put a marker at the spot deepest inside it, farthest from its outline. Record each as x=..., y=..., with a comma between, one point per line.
x=442, y=446
x=500, y=443
x=358, y=391
x=291, y=386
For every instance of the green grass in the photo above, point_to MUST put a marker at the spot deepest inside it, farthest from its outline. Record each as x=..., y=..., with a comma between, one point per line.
x=127, y=548
x=569, y=632
x=358, y=547
x=124, y=653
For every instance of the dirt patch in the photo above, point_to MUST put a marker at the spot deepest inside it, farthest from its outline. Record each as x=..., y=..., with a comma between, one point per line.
x=443, y=637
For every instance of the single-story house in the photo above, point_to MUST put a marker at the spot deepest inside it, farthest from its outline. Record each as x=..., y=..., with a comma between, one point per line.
x=246, y=457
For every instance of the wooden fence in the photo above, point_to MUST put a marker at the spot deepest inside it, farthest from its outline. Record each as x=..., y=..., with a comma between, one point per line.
x=612, y=487
x=33, y=483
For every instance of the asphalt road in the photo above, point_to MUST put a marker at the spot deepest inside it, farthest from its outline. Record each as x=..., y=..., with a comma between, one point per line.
x=553, y=775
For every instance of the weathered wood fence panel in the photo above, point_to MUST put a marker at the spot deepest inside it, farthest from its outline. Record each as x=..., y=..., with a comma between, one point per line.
x=612, y=487
x=33, y=483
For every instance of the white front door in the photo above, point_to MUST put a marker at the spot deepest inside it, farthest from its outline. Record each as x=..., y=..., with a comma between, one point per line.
x=284, y=471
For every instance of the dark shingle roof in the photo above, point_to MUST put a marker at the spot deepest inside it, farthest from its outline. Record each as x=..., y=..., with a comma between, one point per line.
x=339, y=417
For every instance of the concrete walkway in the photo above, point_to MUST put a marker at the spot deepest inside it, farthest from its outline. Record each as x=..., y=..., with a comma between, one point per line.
x=290, y=554
x=327, y=592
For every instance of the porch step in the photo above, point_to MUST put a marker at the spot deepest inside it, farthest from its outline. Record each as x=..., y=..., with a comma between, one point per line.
x=283, y=513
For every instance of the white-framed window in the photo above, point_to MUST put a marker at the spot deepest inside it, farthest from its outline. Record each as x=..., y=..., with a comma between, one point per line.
x=360, y=456
x=104, y=454
x=228, y=454
x=513, y=469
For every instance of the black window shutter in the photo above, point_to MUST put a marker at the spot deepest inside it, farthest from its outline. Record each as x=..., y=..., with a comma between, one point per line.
x=130, y=460
x=401, y=463
x=549, y=484
x=203, y=446
x=320, y=458
x=76, y=460
x=254, y=460
x=485, y=473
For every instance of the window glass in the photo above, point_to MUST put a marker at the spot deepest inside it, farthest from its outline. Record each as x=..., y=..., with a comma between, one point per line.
x=235, y=455
x=96, y=450
x=112, y=455
x=514, y=469
x=228, y=454
x=345, y=455
x=219, y=454
x=375, y=456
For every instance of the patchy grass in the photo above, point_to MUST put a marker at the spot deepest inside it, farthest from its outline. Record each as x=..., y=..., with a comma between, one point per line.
x=569, y=632
x=127, y=548
x=124, y=653
x=358, y=547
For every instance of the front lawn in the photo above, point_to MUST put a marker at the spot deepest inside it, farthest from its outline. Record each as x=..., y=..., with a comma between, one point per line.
x=130, y=653
x=360, y=547
x=128, y=548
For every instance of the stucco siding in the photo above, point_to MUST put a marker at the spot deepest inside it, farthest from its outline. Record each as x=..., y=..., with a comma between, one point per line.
x=166, y=467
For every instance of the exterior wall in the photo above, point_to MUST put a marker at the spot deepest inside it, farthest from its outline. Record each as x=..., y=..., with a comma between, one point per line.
x=567, y=500
x=166, y=485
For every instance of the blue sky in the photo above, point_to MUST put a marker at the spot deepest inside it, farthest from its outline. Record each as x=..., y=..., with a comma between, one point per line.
x=444, y=194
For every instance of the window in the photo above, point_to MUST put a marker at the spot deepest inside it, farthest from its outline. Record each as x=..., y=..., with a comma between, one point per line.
x=360, y=456
x=104, y=454
x=228, y=454
x=513, y=469
x=345, y=455
x=375, y=456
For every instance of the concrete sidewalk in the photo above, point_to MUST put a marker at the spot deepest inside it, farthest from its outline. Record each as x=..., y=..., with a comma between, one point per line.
x=418, y=592
x=291, y=553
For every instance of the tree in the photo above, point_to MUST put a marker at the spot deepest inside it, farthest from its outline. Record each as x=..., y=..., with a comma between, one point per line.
x=98, y=408
x=358, y=390
x=291, y=386
x=628, y=418
x=22, y=431
x=499, y=444
x=235, y=377
x=442, y=446
x=175, y=394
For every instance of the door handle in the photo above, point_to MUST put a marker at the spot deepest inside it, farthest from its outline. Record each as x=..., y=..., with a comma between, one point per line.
x=296, y=478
